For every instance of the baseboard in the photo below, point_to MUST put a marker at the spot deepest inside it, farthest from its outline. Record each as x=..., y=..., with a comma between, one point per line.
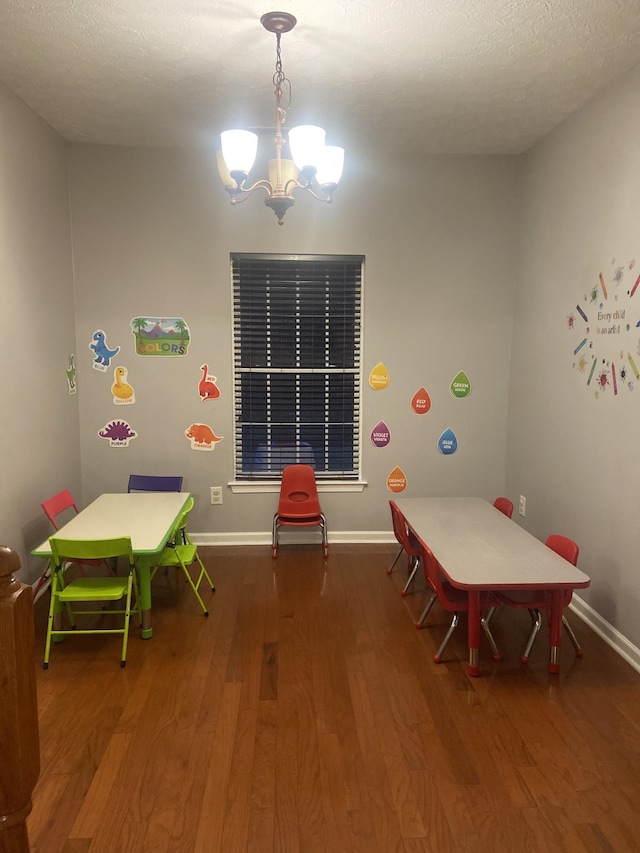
x=609, y=634
x=343, y=537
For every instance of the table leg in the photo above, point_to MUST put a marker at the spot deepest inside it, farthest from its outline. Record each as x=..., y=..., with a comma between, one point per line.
x=144, y=587
x=473, y=618
x=555, y=629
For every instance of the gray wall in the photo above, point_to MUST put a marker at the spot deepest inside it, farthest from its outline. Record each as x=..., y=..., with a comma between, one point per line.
x=573, y=448
x=153, y=232
x=39, y=429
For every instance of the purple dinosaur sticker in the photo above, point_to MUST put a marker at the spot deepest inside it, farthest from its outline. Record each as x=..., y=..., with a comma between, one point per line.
x=118, y=433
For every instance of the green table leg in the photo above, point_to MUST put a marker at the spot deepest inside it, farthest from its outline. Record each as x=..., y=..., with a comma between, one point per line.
x=144, y=580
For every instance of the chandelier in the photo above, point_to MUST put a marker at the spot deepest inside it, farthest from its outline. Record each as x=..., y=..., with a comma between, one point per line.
x=313, y=167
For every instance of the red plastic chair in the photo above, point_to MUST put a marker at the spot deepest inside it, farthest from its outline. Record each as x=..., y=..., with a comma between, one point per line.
x=454, y=600
x=298, y=505
x=504, y=505
x=540, y=599
x=56, y=506
x=408, y=543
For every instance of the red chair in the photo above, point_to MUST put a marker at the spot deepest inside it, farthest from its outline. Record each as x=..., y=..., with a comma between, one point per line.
x=454, y=600
x=504, y=505
x=298, y=505
x=53, y=508
x=540, y=599
x=408, y=543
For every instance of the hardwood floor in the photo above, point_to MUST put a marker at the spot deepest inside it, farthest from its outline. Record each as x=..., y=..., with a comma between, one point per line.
x=307, y=714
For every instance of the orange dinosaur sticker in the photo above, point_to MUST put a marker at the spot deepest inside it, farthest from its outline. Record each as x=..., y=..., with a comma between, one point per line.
x=202, y=437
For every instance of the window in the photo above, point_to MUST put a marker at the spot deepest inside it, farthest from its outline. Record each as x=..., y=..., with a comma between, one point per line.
x=297, y=364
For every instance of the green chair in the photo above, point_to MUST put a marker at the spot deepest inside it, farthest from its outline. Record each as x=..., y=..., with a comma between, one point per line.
x=181, y=552
x=90, y=589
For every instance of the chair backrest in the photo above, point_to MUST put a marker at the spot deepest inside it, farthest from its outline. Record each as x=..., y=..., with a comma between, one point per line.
x=298, y=493
x=90, y=549
x=564, y=546
x=402, y=533
x=179, y=529
x=431, y=570
x=152, y=483
x=58, y=503
x=504, y=505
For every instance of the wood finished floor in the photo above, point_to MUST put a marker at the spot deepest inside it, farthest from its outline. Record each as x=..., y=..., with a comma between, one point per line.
x=307, y=714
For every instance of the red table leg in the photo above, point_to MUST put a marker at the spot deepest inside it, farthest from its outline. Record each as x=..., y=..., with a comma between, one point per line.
x=474, y=632
x=555, y=630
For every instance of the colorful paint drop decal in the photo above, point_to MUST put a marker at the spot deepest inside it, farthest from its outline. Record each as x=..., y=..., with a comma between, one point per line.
x=380, y=435
x=123, y=393
x=396, y=481
x=102, y=353
x=379, y=377
x=202, y=437
x=118, y=433
x=421, y=402
x=460, y=385
x=161, y=336
x=207, y=388
x=70, y=371
x=448, y=443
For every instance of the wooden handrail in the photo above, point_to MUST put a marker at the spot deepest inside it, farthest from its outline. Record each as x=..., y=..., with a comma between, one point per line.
x=19, y=739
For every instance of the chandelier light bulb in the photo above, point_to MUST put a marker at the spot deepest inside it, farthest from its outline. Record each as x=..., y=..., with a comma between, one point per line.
x=239, y=149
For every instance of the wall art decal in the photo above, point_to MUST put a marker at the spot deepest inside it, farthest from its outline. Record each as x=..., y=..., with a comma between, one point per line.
x=396, y=481
x=379, y=377
x=460, y=385
x=70, y=371
x=202, y=437
x=102, y=353
x=448, y=443
x=380, y=435
x=161, y=336
x=606, y=324
x=207, y=388
x=421, y=402
x=118, y=433
x=123, y=393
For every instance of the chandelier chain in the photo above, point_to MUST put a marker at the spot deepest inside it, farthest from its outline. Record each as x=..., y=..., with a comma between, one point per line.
x=280, y=80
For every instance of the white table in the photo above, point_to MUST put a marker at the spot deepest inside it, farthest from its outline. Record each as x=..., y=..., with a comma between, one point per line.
x=479, y=548
x=147, y=517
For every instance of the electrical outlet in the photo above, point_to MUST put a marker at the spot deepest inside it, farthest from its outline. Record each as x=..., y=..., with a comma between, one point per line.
x=522, y=506
x=216, y=494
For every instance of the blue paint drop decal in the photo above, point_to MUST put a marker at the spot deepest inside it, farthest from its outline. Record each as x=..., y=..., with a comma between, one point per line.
x=448, y=443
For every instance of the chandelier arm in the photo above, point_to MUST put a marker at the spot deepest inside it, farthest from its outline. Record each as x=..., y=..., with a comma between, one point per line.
x=328, y=198
x=240, y=194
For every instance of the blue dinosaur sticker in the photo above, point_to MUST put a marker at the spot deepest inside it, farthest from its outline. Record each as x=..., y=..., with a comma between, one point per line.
x=102, y=353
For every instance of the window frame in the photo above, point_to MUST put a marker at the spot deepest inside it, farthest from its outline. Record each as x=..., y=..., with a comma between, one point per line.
x=262, y=482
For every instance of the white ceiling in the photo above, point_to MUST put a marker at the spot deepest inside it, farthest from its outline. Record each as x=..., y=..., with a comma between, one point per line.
x=411, y=76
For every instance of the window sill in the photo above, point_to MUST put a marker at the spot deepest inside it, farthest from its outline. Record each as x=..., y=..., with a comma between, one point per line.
x=243, y=487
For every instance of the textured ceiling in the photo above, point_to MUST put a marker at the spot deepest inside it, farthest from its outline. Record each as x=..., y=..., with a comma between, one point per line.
x=411, y=76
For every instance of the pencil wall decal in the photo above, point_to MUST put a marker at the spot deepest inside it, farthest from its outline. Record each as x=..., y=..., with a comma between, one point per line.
x=604, y=288
x=593, y=367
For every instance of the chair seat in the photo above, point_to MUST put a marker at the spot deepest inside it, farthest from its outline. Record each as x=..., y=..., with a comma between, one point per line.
x=308, y=521
x=94, y=589
x=178, y=554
